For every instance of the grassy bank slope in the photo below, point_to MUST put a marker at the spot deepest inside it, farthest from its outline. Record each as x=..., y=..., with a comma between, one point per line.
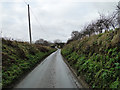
x=96, y=58
x=19, y=58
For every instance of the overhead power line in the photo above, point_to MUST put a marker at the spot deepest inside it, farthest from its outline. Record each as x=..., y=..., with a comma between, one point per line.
x=36, y=19
x=25, y=2
x=38, y=22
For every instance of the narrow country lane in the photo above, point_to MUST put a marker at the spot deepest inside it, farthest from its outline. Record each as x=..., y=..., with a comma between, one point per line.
x=51, y=73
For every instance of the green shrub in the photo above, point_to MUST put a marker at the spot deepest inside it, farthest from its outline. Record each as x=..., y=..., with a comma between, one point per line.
x=97, y=58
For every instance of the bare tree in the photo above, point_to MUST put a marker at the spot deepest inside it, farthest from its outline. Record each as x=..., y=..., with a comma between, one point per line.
x=57, y=41
x=43, y=42
x=74, y=35
x=118, y=11
x=40, y=41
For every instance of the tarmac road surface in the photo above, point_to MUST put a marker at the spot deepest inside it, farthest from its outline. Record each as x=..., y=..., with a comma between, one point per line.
x=51, y=73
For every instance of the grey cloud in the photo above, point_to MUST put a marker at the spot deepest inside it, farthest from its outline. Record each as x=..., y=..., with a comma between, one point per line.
x=55, y=18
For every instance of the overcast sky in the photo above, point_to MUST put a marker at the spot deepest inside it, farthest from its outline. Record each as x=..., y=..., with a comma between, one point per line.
x=50, y=19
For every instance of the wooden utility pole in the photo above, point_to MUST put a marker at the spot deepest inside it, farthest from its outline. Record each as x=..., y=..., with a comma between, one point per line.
x=29, y=24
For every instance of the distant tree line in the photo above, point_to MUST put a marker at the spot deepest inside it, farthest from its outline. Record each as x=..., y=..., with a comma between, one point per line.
x=43, y=42
x=56, y=42
x=104, y=23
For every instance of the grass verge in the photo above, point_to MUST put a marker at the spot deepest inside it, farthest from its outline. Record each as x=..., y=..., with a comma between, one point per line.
x=19, y=58
x=96, y=59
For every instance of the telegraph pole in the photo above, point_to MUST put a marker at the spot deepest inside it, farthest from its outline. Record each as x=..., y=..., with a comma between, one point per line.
x=29, y=24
